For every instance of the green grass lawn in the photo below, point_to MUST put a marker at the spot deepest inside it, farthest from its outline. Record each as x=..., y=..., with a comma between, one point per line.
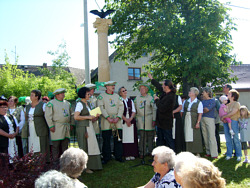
x=116, y=174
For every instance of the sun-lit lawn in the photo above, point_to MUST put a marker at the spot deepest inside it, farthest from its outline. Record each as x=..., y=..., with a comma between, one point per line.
x=116, y=174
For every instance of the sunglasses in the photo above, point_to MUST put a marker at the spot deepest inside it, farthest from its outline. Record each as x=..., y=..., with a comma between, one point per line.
x=124, y=90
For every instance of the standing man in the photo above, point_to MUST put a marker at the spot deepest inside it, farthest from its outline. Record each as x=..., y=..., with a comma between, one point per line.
x=145, y=101
x=112, y=110
x=58, y=116
x=164, y=115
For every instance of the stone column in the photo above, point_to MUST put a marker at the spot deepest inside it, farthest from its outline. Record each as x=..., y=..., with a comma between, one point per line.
x=102, y=26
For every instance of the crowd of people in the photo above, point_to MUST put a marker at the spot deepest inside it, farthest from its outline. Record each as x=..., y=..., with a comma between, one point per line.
x=179, y=124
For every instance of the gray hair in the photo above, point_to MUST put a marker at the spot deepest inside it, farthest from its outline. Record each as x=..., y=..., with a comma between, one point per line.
x=208, y=90
x=195, y=90
x=73, y=161
x=119, y=90
x=165, y=155
x=54, y=179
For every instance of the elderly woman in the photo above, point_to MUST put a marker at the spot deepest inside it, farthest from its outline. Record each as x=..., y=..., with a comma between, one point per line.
x=145, y=102
x=192, y=111
x=38, y=131
x=19, y=115
x=208, y=123
x=129, y=130
x=72, y=162
x=54, y=179
x=194, y=172
x=233, y=114
x=8, y=131
x=164, y=160
x=85, y=131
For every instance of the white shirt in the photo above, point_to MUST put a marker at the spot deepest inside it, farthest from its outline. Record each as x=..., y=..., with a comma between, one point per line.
x=79, y=107
x=133, y=105
x=22, y=119
x=179, y=100
x=200, y=106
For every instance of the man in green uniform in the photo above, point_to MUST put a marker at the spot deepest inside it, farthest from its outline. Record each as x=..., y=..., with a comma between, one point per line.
x=145, y=101
x=112, y=109
x=59, y=117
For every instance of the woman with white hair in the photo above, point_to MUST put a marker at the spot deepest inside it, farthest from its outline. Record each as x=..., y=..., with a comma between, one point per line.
x=72, y=162
x=194, y=172
x=54, y=179
x=164, y=161
x=192, y=109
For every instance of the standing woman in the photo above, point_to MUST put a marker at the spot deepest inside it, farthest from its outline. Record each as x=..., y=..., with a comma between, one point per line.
x=85, y=131
x=38, y=139
x=233, y=114
x=192, y=111
x=8, y=131
x=130, y=139
x=19, y=115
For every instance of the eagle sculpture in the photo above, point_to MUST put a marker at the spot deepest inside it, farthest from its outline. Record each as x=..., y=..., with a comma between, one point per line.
x=102, y=14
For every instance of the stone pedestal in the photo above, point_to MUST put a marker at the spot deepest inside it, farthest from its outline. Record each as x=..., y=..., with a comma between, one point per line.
x=102, y=26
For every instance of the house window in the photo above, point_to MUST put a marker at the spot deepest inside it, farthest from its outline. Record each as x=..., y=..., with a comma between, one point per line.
x=134, y=73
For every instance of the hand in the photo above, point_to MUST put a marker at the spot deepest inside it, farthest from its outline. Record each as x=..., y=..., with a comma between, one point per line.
x=115, y=120
x=205, y=110
x=97, y=115
x=110, y=120
x=11, y=136
x=153, y=124
x=197, y=126
x=155, y=97
x=91, y=117
x=95, y=119
x=150, y=76
x=86, y=135
x=52, y=129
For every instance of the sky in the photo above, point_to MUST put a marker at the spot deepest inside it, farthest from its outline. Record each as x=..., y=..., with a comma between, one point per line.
x=33, y=27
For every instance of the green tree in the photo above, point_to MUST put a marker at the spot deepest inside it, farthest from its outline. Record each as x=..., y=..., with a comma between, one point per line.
x=190, y=40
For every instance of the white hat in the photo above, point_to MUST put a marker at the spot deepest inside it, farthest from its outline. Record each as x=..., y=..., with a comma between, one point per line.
x=110, y=83
x=90, y=86
x=58, y=91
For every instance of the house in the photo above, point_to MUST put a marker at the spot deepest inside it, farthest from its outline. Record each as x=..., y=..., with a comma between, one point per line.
x=79, y=74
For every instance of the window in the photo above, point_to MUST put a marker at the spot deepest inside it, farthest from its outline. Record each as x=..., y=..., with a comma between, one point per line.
x=134, y=73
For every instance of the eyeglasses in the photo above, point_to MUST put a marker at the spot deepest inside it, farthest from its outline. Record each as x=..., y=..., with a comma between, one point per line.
x=124, y=90
x=3, y=107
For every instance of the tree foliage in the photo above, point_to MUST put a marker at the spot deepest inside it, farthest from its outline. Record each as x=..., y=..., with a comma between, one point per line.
x=16, y=82
x=190, y=40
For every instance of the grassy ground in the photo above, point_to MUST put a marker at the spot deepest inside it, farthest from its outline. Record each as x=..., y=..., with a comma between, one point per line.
x=116, y=174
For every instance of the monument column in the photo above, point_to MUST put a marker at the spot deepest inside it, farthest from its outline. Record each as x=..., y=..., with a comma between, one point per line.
x=102, y=26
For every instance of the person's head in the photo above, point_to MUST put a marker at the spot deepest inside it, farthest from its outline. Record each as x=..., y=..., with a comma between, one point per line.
x=110, y=86
x=3, y=98
x=203, y=175
x=122, y=91
x=226, y=88
x=244, y=112
x=73, y=161
x=3, y=107
x=54, y=179
x=45, y=99
x=194, y=92
x=233, y=95
x=207, y=92
x=60, y=94
x=35, y=95
x=12, y=102
x=92, y=88
x=143, y=88
x=168, y=86
x=164, y=159
x=223, y=99
x=84, y=93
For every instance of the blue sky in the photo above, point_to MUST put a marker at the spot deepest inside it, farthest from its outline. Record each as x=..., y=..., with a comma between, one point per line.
x=36, y=26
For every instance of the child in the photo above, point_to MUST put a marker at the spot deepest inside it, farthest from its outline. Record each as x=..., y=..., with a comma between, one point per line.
x=244, y=129
x=223, y=111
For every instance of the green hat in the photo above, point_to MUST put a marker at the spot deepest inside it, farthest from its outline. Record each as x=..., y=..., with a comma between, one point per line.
x=146, y=85
x=58, y=91
x=110, y=83
x=90, y=86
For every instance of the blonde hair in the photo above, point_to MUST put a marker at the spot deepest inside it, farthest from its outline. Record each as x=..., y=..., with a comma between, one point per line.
x=244, y=108
x=195, y=90
x=197, y=172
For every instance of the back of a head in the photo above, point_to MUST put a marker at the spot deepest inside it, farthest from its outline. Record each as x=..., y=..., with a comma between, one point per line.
x=54, y=179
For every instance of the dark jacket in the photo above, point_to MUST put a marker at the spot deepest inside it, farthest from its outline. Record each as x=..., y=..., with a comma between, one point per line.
x=165, y=106
x=4, y=141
